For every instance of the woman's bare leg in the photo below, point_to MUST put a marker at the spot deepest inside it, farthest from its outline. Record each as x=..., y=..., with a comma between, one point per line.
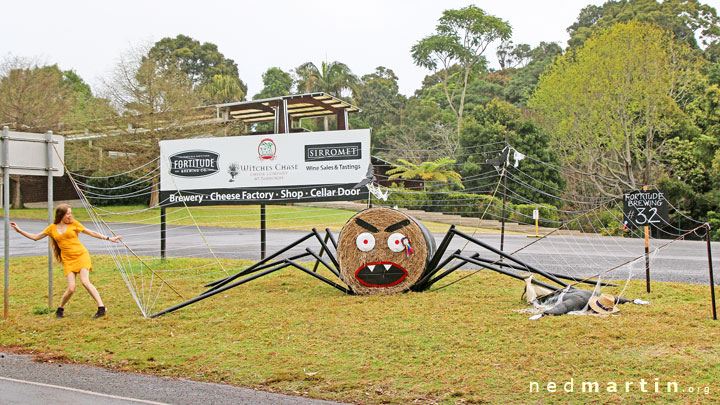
x=85, y=280
x=70, y=290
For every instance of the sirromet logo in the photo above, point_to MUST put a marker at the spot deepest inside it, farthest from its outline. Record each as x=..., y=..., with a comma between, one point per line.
x=194, y=163
x=333, y=151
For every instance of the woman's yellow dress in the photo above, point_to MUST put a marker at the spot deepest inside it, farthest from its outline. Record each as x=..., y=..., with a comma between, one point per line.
x=74, y=255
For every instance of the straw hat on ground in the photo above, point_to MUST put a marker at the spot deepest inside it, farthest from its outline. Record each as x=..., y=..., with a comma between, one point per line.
x=603, y=304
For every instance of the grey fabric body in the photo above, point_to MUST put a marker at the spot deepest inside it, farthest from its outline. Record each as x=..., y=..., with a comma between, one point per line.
x=574, y=300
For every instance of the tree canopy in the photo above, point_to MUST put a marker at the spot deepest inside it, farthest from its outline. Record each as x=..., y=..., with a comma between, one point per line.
x=224, y=89
x=35, y=97
x=483, y=137
x=213, y=75
x=461, y=37
x=634, y=99
x=523, y=82
x=200, y=62
x=377, y=94
x=689, y=21
x=334, y=78
x=276, y=83
x=609, y=104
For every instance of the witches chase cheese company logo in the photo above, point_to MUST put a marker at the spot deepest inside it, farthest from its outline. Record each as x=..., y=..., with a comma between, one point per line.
x=194, y=163
x=333, y=151
x=267, y=149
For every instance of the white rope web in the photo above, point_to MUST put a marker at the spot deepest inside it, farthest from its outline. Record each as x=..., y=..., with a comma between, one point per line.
x=201, y=241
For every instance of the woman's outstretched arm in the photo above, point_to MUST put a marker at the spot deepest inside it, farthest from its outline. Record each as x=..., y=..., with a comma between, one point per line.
x=94, y=234
x=26, y=234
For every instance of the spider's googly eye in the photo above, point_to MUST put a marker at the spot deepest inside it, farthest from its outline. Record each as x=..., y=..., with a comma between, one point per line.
x=365, y=242
x=395, y=242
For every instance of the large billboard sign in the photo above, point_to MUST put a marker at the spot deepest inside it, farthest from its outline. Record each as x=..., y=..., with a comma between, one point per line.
x=27, y=154
x=265, y=169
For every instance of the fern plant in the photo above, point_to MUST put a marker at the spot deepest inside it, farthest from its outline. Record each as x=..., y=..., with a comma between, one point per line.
x=433, y=171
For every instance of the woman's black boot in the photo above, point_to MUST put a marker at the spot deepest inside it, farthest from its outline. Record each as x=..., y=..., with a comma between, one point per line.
x=100, y=313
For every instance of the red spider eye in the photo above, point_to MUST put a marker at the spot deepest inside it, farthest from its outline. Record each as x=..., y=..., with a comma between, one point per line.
x=365, y=242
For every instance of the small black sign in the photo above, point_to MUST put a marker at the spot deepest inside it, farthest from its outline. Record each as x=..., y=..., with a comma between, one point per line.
x=333, y=151
x=195, y=163
x=645, y=208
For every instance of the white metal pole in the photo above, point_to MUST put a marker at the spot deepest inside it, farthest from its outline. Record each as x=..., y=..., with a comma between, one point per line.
x=49, y=149
x=6, y=212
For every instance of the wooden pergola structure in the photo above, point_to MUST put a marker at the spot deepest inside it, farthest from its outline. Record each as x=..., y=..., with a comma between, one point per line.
x=288, y=110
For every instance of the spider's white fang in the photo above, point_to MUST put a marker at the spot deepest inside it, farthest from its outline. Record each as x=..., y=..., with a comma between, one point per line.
x=372, y=267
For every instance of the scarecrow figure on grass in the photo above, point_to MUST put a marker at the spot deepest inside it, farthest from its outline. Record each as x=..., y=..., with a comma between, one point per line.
x=575, y=300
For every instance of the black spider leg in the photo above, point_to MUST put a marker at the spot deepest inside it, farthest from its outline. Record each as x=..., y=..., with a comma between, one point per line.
x=420, y=284
x=254, y=267
x=333, y=258
x=473, y=260
x=562, y=276
x=223, y=284
x=272, y=268
x=319, y=259
x=264, y=263
x=433, y=267
x=511, y=258
x=328, y=236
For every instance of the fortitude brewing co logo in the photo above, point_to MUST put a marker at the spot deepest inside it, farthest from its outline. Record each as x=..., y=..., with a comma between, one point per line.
x=267, y=149
x=195, y=163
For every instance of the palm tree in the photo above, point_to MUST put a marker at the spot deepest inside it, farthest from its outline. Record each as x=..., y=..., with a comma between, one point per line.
x=334, y=78
x=427, y=171
x=224, y=89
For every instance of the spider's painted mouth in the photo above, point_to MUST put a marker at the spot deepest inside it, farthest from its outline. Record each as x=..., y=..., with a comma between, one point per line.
x=380, y=274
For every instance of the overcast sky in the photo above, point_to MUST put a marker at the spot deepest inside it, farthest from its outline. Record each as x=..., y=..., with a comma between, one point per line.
x=89, y=36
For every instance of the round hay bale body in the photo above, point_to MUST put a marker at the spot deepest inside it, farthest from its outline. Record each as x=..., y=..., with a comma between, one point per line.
x=372, y=252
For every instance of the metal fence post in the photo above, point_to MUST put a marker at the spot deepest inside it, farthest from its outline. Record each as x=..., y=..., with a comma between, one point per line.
x=710, y=268
x=6, y=211
x=647, y=253
x=163, y=233
x=263, y=228
x=49, y=148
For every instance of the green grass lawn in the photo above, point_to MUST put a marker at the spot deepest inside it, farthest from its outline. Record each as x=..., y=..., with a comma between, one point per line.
x=463, y=344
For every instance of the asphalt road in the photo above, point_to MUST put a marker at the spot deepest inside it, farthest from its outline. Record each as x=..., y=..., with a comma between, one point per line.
x=23, y=381
x=579, y=256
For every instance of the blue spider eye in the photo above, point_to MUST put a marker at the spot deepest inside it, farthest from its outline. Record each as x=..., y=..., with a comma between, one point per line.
x=365, y=242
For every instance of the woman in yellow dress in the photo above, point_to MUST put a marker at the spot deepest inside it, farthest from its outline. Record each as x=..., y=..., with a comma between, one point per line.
x=69, y=251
